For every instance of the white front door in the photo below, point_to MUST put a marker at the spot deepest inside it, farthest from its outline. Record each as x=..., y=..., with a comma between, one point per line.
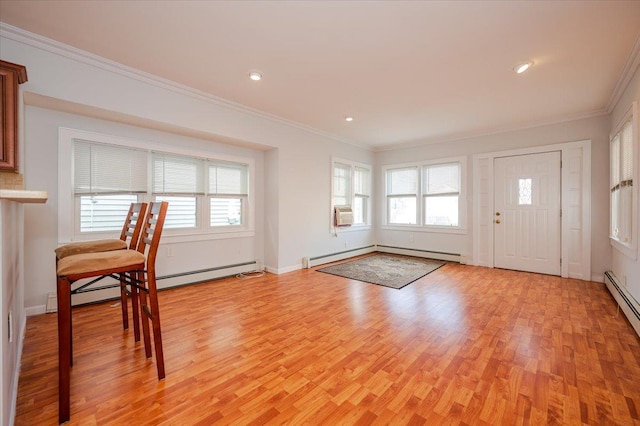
x=527, y=213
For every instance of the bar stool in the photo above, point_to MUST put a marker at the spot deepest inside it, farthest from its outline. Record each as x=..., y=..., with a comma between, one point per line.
x=131, y=233
x=133, y=267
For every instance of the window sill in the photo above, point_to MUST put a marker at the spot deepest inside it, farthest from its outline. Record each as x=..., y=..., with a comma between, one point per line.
x=355, y=228
x=429, y=229
x=168, y=238
x=629, y=251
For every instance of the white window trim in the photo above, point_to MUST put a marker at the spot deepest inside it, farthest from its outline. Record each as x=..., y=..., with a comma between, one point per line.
x=420, y=227
x=629, y=250
x=353, y=228
x=66, y=199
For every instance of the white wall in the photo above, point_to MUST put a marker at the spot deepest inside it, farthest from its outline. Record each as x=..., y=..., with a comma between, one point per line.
x=595, y=129
x=297, y=172
x=627, y=269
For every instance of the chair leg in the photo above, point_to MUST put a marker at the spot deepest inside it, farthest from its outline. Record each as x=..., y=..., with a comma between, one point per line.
x=64, y=348
x=135, y=309
x=123, y=303
x=155, y=321
x=144, y=313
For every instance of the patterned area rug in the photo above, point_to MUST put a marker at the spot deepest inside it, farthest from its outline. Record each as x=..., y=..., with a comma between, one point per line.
x=389, y=271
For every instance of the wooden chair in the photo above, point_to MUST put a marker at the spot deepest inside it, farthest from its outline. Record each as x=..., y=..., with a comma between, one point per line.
x=131, y=233
x=137, y=269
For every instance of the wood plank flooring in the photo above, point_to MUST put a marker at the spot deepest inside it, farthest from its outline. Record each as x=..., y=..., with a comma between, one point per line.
x=462, y=345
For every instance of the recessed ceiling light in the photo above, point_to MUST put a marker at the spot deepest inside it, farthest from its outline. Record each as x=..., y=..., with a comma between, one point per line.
x=255, y=76
x=348, y=118
x=520, y=68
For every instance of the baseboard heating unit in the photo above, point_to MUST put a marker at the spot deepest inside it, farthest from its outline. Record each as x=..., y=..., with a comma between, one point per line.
x=437, y=255
x=310, y=262
x=204, y=275
x=627, y=303
x=111, y=289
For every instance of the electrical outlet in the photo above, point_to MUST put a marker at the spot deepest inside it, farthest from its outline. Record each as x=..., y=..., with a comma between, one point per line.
x=410, y=238
x=346, y=244
x=169, y=251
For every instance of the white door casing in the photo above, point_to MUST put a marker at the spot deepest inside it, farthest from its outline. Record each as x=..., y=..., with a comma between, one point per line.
x=576, y=206
x=527, y=207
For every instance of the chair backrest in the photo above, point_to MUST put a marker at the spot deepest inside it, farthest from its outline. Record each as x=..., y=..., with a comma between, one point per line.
x=133, y=224
x=151, y=232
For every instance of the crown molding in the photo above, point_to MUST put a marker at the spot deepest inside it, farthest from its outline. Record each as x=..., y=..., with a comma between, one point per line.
x=630, y=67
x=472, y=135
x=49, y=45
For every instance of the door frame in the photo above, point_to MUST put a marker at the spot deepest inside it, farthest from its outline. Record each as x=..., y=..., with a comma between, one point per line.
x=575, y=225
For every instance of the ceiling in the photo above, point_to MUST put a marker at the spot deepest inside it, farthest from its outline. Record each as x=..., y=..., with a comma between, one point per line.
x=409, y=73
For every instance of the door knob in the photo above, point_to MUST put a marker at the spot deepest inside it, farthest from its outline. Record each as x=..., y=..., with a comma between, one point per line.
x=497, y=220
x=497, y=213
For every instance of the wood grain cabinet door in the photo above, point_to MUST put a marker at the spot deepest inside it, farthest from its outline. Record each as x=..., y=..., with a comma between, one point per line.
x=10, y=76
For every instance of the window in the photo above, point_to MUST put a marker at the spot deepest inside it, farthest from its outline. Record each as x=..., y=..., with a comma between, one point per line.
x=107, y=179
x=441, y=194
x=623, y=167
x=402, y=196
x=351, y=186
x=178, y=180
x=206, y=196
x=228, y=190
x=425, y=195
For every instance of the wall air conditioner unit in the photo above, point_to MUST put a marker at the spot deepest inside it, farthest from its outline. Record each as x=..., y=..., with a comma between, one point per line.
x=343, y=216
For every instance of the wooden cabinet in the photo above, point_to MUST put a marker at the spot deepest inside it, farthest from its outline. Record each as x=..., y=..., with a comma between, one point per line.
x=11, y=75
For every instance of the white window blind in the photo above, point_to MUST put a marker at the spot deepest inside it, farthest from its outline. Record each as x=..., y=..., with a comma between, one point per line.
x=341, y=184
x=175, y=174
x=228, y=179
x=402, y=181
x=108, y=169
x=361, y=181
x=626, y=156
x=442, y=179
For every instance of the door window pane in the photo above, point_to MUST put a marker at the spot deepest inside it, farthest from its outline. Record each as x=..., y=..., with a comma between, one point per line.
x=524, y=191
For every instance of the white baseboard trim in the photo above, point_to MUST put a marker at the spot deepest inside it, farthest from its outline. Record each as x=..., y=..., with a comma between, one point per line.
x=451, y=257
x=598, y=278
x=35, y=310
x=284, y=270
x=628, y=304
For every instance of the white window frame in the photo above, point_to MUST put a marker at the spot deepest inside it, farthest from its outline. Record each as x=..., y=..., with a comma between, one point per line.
x=420, y=226
x=351, y=197
x=68, y=231
x=628, y=248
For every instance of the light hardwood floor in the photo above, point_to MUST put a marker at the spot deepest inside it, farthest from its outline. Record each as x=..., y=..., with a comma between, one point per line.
x=463, y=345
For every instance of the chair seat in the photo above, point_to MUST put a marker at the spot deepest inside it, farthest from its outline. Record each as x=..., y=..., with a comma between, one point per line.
x=96, y=246
x=95, y=262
